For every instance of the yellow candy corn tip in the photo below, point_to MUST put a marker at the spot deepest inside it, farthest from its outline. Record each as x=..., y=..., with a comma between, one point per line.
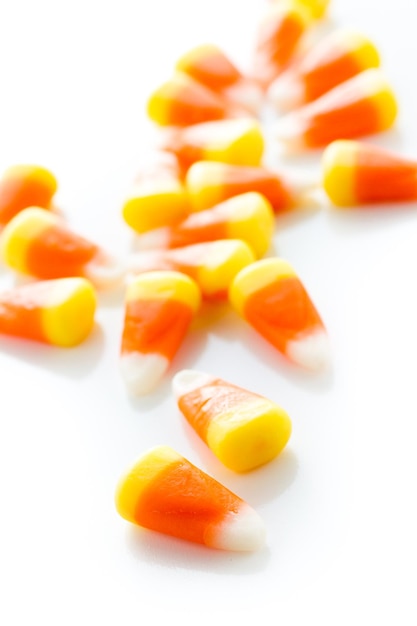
x=164, y=285
x=154, y=205
x=255, y=277
x=225, y=259
x=68, y=314
x=252, y=220
x=32, y=171
x=238, y=142
x=338, y=167
x=315, y=8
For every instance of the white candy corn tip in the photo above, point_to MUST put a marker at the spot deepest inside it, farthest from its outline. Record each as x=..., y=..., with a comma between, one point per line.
x=105, y=275
x=142, y=372
x=246, y=93
x=311, y=352
x=154, y=239
x=243, y=531
x=285, y=93
x=187, y=381
x=289, y=131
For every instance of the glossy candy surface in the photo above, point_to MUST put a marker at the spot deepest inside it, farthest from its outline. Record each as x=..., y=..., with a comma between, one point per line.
x=242, y=428
x=164, y=492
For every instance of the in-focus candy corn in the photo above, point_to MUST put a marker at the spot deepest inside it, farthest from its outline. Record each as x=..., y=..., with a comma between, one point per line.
x=243, y=429
x=359, y=173
x=22, y=186
x=362, y=105
x=38, y=243
x=164, y=492
x=278, y=37
x=209, y=183
x=269, y=295
x=213, y=264
x=239, y=142
x=157, y=197
x=159, y=308
x=209, y=65
x=182, y=101
x=333, y=60
x=59, y=312
x=248, y=216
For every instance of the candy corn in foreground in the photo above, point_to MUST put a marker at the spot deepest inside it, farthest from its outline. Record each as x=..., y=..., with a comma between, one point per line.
x=166, y=493
x=362, y=105
x=22, y=186
x=38, y=243
x=182, y=101
x=213, y=264
x=159, y=308
x=239, y=142
x=333, y=60
x=209, y=183
x=210, y=66
x=157, y=197
x=243, y=429
x=248, y=216
x=359, y=173
x=269, y=295
x=59, y=312
x=278, y=37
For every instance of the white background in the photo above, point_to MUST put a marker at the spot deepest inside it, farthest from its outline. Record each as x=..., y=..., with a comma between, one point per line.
x=339, y=504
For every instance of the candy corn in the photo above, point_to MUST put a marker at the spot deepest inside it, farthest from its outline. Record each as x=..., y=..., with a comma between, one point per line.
x=158, y=311
x=158, y=197
x=243, y=429
x=358, y=173
x=22, y=186
x=182, y=101
x=362, y=105
x=166, y=493
x=278, y=38
x=248, y=216
x=334, y=59
x=269, y=295
x=210, y=66
x=317, y=8
x=59, y=312
x=239, y=142
x=209, y=183
x=213, y=264
x=38, y=243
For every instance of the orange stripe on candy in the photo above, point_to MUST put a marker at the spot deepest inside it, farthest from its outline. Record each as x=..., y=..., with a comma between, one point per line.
x=197, y=228
x=20, y=318
x=381, y=176
x=323, y=78
x=212, y=69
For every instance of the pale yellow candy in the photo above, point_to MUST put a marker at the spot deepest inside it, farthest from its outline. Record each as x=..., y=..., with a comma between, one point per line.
x=338, y=172
x=164, y=285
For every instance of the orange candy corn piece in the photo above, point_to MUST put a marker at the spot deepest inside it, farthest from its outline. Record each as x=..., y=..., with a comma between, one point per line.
x=22, y=186
x=209, y=183
x=278, y=38
x=243, y=429
x=159, y=309
x=333, y=60
x=248, y=216
x=358, y=173
x=59, y=312
x=182, y=101
x=212, y=264
x=38, y=243
x=362, y=105
x=166, y=493
x=239, y=142
x=157, y=197
x=269, y=295
x=210, y=66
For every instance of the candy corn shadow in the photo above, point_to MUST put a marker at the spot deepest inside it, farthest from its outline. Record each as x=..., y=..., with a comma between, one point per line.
x=158, y=550
x=365, y=220
x=74, y=363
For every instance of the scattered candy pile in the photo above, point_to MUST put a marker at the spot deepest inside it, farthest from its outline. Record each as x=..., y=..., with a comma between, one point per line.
x=203, y=208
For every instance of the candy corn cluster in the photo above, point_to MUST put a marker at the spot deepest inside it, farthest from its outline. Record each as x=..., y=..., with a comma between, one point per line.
x=203, y=210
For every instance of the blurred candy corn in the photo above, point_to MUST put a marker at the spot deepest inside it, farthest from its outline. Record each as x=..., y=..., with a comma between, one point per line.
x=22, y=186
x=59, y=312
x=243, y=429
x=248, y=216
x=213, y=264
x=158, y=311
x=362, y=105
x=333, y=60
x=38, y=243
x=166, y=493
x=358, y=173
x=269, y=295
